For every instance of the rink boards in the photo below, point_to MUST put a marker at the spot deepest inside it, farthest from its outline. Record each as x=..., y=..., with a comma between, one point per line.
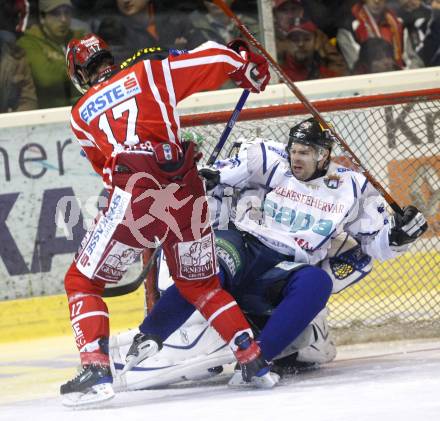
x=39, y=317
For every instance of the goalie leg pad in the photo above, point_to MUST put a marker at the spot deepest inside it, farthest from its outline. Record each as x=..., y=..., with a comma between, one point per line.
x=313, y=347
x=315, y=343
x=189, y=353
x=322, y=348
x=216, y=305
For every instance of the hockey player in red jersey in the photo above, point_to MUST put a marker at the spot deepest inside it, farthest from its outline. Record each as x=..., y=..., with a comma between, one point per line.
x=128, y=126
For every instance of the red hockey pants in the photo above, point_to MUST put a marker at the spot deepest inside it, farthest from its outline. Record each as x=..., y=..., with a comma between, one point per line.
x=147, y=203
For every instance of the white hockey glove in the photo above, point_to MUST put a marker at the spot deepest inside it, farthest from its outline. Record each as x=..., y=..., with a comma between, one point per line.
x=211, y=177
x=406, y=228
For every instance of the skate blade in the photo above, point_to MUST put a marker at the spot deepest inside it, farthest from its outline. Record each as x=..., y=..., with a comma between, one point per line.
x=268, y=381
x=95, y=397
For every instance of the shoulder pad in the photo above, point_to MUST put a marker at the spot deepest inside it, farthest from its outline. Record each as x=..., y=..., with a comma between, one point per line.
x=344, y=173
x=359, y=177
x=148, y=53
x=277, y=147
x=336, y=167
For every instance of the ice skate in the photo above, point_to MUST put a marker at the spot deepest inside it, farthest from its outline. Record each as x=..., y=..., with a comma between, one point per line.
x=254, y=369
x=92, y=386
x=143, y=346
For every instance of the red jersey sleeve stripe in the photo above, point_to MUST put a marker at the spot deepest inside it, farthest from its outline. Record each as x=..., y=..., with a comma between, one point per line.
x=86, y=143
x=205, y=68
x=202, y=61
x=208, y=53
x=210, y=46
x=157, y=97
x=172, y=95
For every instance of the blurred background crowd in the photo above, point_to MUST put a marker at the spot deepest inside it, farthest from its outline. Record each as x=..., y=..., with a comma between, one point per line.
x=314, y=38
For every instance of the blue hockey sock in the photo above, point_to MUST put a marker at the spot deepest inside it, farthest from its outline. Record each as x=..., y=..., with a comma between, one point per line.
x=168, y=314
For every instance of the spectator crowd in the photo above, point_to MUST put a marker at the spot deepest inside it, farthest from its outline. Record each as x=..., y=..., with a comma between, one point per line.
x=314, y=38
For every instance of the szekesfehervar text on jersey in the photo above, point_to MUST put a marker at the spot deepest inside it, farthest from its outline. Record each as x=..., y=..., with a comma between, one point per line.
x=300, y=218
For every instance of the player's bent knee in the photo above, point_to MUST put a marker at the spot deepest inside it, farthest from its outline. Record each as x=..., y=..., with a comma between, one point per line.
x=313, y=281
x=193, y=290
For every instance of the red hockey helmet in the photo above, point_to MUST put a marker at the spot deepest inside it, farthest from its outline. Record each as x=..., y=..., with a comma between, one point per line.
x=82, y=56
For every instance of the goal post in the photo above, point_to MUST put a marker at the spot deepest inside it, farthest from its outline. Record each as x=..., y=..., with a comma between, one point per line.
x=397, y=138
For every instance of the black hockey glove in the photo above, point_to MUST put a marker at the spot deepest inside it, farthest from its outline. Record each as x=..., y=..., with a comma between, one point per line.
x=211, y=177
x=407, y=228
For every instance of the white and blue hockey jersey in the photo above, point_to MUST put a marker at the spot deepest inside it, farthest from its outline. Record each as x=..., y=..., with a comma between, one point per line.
x=299, y=218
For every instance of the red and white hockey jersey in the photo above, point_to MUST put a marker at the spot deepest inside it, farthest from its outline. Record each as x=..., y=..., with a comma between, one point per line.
x=138, y=104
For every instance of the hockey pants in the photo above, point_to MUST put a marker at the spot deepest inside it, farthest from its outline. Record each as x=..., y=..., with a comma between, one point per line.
x=147, y=204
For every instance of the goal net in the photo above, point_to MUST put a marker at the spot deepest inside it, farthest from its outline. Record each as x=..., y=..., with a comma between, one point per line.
x=396, y=136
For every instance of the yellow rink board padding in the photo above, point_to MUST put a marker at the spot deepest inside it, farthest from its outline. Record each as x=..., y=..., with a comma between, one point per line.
x=39, y=317
x=407, y=287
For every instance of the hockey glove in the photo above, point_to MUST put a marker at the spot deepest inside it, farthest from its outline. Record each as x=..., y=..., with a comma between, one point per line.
x=254, y=73
x=211, y=177
x=406, y=228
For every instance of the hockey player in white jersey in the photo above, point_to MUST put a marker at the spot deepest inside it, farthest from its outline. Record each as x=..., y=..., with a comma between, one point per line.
x=195, y=351
x=308, y=201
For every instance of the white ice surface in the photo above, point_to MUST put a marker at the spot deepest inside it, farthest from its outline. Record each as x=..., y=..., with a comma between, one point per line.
x=380, y=382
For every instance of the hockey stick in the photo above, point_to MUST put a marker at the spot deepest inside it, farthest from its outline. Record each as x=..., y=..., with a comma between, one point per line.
x=135, y=284
x=308, y=105
x=230, y=124
x=151, y=279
